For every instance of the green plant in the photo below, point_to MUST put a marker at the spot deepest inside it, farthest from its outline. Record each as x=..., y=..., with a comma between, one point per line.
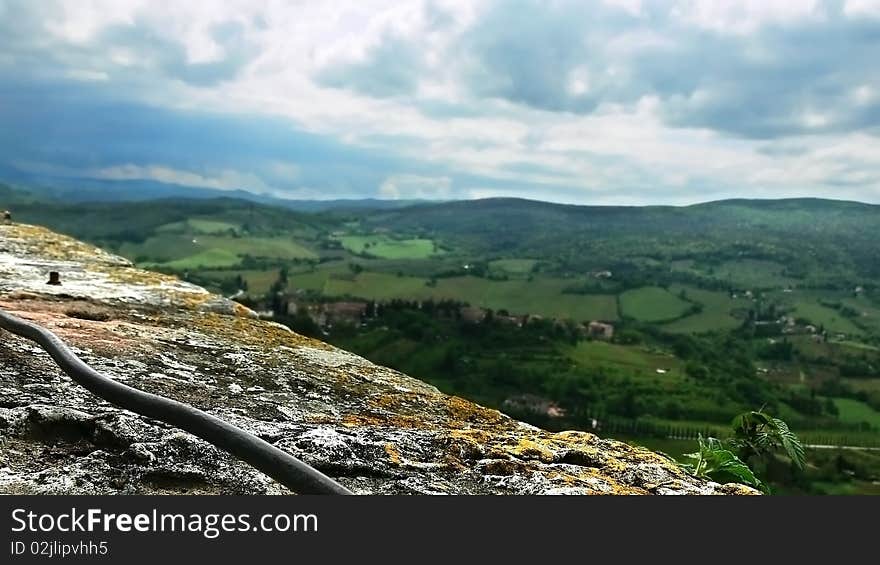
x=716, y=462
x=757, y=437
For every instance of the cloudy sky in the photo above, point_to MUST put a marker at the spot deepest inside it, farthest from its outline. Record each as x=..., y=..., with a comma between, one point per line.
x=624, y=101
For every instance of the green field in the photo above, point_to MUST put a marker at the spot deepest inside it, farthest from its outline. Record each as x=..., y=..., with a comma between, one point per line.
x=187, y=252
x=378, y=286
x=386, y=247
x=258, y=282
x=513, y=266
x=716, y=313
x=634, y=360
x=833, y=320
x=160, y=248
x=754, y=273
x=311, y=280
x=199, y=226
x=543, y=297
x=869, y=313
x=833, y=350
x=652, y=304
x=208, y=259
x=856, y=412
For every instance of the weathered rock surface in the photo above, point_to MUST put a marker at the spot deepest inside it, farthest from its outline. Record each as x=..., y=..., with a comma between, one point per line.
x=372, y=428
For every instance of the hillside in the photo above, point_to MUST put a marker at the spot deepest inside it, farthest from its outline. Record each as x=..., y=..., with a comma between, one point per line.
x=810, y=231
x=374, y=429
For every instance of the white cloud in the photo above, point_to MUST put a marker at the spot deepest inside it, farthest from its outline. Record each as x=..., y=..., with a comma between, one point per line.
x=856, y=8
x=407, y=186
x=745, y=16
x=625, y=146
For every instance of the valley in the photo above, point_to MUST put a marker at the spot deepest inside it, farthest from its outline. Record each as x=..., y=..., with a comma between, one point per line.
x=651, y=323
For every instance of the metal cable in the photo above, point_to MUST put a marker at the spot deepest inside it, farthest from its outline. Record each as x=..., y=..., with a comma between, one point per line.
x=278, y=464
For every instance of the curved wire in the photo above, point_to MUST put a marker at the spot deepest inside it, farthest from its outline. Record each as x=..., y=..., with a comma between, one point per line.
x=278, y=464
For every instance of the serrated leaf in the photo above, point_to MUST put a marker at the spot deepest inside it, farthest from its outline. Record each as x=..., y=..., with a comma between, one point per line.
x=790, y=443
x=727, y=467
x=761, y=434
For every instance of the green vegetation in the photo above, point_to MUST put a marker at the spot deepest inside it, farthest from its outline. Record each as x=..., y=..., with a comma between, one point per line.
x=757, y=438
x=857, y=412
x=182, y=252
x=716, y=311
x=716, y=462
x=200, y=226
x=821, y=315
x=716, y=308
x=257, y=281
x=753, y=273
x=652, y=304
x=208, y=259
x=386, y=247
x=544, y=297
x=634, y=360
x=513, y=266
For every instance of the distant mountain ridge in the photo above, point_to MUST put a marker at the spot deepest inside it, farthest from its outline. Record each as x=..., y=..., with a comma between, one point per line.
x=77, y=191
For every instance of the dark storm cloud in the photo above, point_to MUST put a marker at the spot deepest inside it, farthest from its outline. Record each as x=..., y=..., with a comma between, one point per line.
x=75, y=130
x=78, y=128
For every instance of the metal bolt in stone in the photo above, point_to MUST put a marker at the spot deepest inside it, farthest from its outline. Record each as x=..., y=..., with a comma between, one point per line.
x=54, y=278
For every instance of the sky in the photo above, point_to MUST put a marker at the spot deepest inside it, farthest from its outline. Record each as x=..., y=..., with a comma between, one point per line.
x=589, y=102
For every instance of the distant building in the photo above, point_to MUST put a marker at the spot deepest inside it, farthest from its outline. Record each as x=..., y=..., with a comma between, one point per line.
x=472, y=314
x=349, y=312
x=602, y=274
x=533, y=404
x=510, y=320
x=336, y=312
x=317, y=314
x=600, y=330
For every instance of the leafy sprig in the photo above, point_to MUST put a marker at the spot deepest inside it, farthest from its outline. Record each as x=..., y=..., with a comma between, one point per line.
x=716, y=462
x=756, y=435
